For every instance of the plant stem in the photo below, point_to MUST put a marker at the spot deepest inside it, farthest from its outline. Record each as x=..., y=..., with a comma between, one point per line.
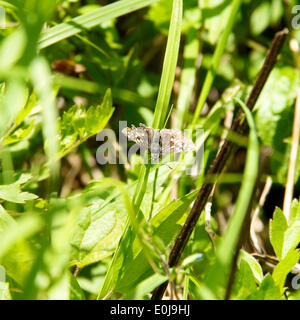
x=289, y=188
x=238, y=126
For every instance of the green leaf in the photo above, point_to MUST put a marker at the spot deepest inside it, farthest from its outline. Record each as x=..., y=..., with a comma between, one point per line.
x=160, y=114
x=188, y=75
x=218, y=275
x=121, y=95
x=78, y=123
x=98, y=230
x=284, y=237
x=18, y=257
x=273, y=104
x=5, y=219
x=215, y=14
x=274, y=112
x=267, y=290
x=277, y=10
x=145, y=286
x=13, y=193
x=11, y=104
x=20, y=134
x=165, y=226
x=284, y=267
x=260, y=18
x=76, y=292
x=266, y=13
x=278, y=227
x=22, y=229
x=169, y=66
x=253, y=264
x=192, y=259
x=291, y=238
x=220, y=48
x=101, y=224
x=97, y=117
x=295, y=212
x=161, y=11
x=9, y=57
x=244, y=283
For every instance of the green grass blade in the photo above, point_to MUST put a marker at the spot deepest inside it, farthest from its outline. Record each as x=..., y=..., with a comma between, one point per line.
x=188, y=74
x=217, y=277
x=169, y=66
x=248, y=183
x=165, y=87
x=43, y=84
x=216, y=60
x=121, y=95
x=161, y=111
x=90, y=20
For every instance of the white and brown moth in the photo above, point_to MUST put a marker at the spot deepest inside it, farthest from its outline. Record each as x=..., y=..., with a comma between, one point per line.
x=159, y=142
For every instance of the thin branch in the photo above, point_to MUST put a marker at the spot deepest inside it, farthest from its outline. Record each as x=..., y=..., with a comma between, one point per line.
x=289, y=187
x=238, y=126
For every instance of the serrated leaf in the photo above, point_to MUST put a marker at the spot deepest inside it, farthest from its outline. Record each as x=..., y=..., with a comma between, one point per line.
x=97, y=117
x=295, y=212
x=284, y=237
x=278, y=227
x=291, y=238
x=30, y=105
x=13, y=193
x=284, y=267
x=267, y=290
x=20, y=134
x=80, y=123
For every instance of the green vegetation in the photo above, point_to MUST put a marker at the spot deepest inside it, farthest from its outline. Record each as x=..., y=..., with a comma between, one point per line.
x=72, y=228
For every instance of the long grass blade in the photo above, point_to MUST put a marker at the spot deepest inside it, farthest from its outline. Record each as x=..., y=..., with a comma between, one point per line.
x=90, y=20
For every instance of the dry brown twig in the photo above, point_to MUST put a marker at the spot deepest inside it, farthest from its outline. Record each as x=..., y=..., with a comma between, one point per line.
x=238, y=126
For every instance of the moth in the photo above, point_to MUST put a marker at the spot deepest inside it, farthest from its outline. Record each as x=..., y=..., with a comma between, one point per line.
x=159, y=142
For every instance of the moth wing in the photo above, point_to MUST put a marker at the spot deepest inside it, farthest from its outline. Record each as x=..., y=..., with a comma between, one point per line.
x=139, y=135
x=174, y=141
